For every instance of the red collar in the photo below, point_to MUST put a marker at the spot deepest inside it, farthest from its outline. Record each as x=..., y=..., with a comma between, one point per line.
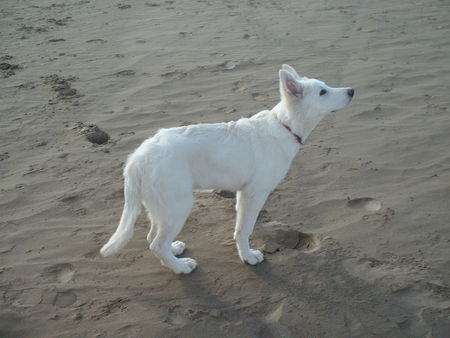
x=298, y=138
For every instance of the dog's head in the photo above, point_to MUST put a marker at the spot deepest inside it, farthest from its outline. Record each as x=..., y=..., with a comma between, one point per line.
x=310, y=100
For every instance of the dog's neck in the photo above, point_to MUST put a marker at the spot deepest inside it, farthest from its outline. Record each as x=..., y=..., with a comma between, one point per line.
x=298, y=123
x=298, y=138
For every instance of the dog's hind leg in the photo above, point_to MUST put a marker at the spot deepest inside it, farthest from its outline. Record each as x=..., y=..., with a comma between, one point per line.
x=169, y=221
x=177, y=247
x=162, y=247
x=250, y=204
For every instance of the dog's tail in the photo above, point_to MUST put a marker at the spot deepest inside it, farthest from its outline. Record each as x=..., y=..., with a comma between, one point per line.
x=131, y=211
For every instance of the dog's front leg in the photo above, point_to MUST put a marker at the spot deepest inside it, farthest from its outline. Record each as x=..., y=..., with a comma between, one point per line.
x=236, y=207
x=248, y=207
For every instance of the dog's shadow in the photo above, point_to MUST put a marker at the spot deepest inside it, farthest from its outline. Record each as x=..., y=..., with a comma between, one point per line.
x=268, y=276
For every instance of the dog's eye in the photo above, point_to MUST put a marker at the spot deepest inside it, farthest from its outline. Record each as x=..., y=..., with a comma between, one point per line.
x=323, y=92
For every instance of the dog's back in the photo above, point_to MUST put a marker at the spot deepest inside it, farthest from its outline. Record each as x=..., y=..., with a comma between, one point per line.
x=216, y=156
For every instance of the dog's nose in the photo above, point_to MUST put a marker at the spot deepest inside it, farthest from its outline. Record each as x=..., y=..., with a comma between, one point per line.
x=351, y=92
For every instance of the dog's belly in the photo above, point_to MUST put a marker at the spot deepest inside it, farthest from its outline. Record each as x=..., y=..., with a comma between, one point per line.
x=229, y=175
x=211, y=182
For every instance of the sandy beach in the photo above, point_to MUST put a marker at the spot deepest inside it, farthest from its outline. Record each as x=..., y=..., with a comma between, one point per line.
x=356, y=238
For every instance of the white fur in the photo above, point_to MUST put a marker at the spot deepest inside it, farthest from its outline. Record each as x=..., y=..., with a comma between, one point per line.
x=249, y=156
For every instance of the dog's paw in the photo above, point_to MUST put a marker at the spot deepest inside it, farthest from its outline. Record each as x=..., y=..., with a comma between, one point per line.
x=185, y=265
x=178, y=247
x=252, y=257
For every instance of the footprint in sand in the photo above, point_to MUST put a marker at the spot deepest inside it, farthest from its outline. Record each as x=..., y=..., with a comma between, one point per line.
x=174, y=317
x=229, y=65
x=24, y=298
x=60, y=273
x=307, y=242
x=365, y=203
x=126, y=72
x=242, y=85
x=64, y=298
x=174, y=75
x=259, y=97
x=275, y=236
x=110, y=307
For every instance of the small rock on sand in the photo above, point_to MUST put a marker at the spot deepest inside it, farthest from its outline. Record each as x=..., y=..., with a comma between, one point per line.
x=93, y=133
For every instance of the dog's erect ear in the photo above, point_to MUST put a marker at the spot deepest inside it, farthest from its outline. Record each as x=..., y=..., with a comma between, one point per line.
x=289, y=86
x=291, y=70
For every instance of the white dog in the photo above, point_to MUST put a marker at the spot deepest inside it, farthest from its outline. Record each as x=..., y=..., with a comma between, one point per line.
x=249, y=156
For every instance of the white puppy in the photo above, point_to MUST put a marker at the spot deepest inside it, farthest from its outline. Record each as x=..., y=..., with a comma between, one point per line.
x=249, y=156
